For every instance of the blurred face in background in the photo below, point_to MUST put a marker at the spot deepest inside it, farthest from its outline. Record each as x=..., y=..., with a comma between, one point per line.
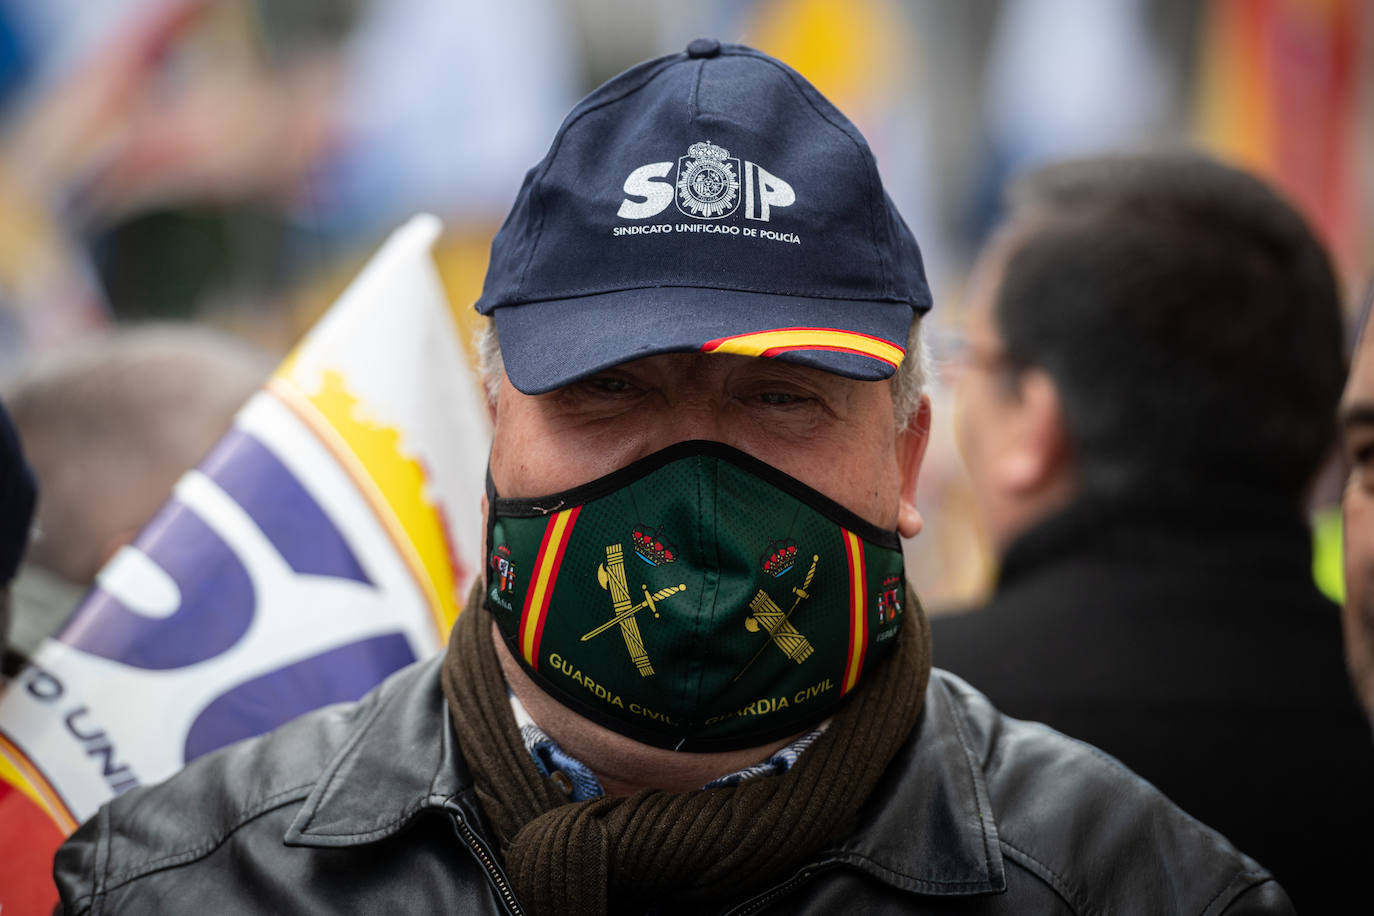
x=1357, y=422
x=1010, y=429
x=986, y=401
x=1001, y=410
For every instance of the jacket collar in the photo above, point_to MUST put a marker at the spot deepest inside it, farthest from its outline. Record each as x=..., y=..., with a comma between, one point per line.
x=389, y=769
x=928, y=828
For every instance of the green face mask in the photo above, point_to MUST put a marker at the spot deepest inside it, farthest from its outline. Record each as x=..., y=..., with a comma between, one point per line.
x=697, y=599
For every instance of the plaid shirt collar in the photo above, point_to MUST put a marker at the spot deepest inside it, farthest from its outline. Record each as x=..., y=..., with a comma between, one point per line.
x=581, y=784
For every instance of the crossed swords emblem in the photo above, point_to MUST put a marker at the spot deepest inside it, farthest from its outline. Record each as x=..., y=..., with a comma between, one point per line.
x=766, y=616
x=770, y=618
x=611, y=575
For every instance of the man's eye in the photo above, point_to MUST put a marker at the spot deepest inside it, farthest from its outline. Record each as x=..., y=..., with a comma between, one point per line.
x=1360, y=453
x=1359, y=450
x=784, y=399
x=608, y=384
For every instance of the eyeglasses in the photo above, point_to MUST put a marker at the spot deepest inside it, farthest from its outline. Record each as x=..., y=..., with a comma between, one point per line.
x=962, y=353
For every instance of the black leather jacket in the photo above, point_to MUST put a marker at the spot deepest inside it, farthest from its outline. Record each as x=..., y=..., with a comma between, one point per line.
x=369, y=808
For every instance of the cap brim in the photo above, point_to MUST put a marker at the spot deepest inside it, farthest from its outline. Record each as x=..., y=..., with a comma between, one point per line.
x=546, y=345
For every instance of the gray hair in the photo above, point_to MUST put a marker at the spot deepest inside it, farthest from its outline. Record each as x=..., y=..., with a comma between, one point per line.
x=908, y=383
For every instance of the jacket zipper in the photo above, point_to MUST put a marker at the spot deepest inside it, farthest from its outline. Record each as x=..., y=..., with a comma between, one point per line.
x=484, y=858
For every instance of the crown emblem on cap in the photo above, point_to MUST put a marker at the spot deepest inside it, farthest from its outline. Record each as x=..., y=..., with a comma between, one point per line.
x=708, y=150
x=707, y=181
x=779, y=557
x=652, y=547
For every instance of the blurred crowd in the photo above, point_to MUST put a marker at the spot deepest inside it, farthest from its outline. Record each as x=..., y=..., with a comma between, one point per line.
x=231, y=163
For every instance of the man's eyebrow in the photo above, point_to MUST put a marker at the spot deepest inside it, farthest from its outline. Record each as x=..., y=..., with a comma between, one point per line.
x=1357, y=414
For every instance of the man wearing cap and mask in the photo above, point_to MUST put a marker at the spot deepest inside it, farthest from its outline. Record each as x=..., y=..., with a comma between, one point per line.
x=693, y=679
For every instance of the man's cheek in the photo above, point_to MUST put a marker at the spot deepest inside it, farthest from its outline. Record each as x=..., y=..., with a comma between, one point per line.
x=1357, y=524
x=1358, y=613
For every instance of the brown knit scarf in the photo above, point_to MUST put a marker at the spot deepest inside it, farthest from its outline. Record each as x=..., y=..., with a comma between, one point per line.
x=620, y=854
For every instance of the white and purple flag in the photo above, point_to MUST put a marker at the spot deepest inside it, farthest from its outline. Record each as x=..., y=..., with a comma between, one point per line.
x=327, y=541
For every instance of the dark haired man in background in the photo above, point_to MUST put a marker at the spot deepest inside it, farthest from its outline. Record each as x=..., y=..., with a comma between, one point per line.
x=1153, y=369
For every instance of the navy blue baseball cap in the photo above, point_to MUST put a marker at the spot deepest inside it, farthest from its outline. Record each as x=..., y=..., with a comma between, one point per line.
x=708, y=201
x=17, y=496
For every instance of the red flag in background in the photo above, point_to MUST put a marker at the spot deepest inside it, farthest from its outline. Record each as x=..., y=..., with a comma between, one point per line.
x=1281, y=93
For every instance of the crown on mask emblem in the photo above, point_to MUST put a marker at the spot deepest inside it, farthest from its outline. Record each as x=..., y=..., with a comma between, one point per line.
x=652, y=547
x=779, y=557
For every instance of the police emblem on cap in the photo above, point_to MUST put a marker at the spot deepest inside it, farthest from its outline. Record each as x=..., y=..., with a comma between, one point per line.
x=707, y=181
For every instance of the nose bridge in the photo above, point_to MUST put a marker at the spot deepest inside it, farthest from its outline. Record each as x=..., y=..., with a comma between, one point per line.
x=692, y=401
x=696, y=417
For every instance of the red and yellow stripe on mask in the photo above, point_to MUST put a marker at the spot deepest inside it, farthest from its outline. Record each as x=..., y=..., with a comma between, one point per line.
x=547, y=563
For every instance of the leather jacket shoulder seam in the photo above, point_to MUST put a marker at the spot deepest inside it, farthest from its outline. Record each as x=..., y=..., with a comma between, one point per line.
x=271, y=803
x=1242, y=880
x=1094, y=751
x=1045, y=873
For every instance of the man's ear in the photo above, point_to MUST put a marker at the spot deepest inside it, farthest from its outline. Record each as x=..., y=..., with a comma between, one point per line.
x=486, y=512
x=1035, y=455
x=911, y=451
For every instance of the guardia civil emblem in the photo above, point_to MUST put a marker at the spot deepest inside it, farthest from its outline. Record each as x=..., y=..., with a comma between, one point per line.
x=611, y=576
x=768, y=617
x=707, y=181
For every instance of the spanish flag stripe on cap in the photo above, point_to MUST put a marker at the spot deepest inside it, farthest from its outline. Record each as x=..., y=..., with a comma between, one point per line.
x=546, y=564
x=858, y=619
x=781, y=340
